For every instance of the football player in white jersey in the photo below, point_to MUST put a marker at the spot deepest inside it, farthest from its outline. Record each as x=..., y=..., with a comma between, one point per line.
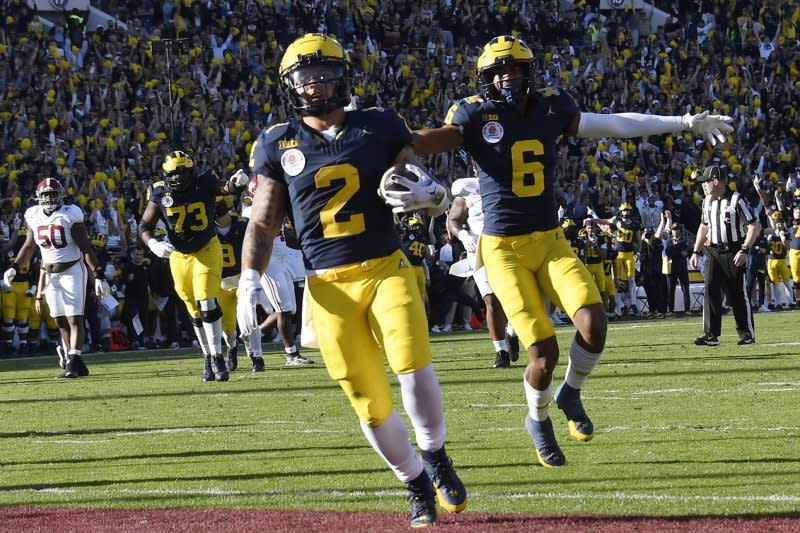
x=465, y=220
x=63, y=241
x=278, y=285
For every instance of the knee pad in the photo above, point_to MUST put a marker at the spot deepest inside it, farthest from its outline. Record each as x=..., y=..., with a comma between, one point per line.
x=209, y=310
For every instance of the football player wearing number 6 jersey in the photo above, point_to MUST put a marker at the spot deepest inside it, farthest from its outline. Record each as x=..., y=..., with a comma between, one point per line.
x=66, y=251
x=511, y=131
x=327, y=164
x=185, y=200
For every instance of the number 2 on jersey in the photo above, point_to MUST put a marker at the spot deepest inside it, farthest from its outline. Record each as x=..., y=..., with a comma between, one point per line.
x=527, y=176
x=354, y=224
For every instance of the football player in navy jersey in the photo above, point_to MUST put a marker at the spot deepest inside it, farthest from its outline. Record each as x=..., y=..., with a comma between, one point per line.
x=323, y=167
x=628, y=238
x=185, y=200
x=511, y=131
x=230, y=231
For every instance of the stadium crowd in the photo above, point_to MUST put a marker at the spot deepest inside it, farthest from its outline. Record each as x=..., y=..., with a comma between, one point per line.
x=99, y=112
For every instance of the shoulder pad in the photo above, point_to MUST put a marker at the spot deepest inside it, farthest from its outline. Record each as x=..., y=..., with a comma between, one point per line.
x=159, y=183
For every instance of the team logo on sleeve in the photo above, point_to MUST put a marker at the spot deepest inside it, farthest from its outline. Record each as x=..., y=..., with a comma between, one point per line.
x=293, y=162
x=492, y=132
x=167, y=201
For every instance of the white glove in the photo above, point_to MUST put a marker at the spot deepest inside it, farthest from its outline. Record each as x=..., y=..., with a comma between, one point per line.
x=250, y=295
x=8, y=277
x=408, y=193
x=101, y=288
x=469, y=241
x=757, y=182
x=31, y=291
x=561, y=212
x=161, y=249
x=238, y=181
x=712, y=127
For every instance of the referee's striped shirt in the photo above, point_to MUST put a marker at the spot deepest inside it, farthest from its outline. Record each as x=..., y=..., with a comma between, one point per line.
x=727, y=218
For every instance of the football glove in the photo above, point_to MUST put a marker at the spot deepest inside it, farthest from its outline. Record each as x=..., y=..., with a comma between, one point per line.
x=101, y=288
x=469, y=241
x=238, y=181
x=161, y=249
x=250, y=295
x=8, y=277
x=712, y=127
x=412, y=190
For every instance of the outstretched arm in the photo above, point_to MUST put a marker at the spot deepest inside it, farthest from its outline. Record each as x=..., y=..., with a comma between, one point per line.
x=624, y=125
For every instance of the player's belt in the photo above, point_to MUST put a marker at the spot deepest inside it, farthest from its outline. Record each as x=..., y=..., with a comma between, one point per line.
x=726, y=247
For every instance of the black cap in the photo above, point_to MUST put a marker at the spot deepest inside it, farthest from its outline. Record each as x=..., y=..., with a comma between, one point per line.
x=712, y=172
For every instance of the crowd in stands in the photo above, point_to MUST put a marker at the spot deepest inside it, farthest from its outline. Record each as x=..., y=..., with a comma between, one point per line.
x=97, y=110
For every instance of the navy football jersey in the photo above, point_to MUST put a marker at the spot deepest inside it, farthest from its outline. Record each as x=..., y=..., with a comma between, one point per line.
x=414, y=245
x=795, y=233
x=626, y=234
x=777, y=250
x=232, y=247
x=516, y=158
x=334, y=204
x=592, y=247
x=189, y=214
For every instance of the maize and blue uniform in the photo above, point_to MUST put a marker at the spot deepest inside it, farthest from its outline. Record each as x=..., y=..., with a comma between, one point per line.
x=361, y=288
x=414, y=245
x=777, y=267
x=196, y=265
x=522, y=246
x=626, y=230
x=231, y=247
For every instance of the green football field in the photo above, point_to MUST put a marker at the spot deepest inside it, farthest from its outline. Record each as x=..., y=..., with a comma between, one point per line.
x=680, y=430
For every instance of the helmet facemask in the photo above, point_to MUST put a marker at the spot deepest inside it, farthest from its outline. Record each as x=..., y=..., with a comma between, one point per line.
x=49, y=194
x=50, y=200
x=308, y=87
x=179, y=179
x=512, y=88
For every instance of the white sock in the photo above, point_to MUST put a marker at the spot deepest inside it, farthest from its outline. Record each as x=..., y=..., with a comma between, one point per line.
x=291, y=350
x=230, y=340
x=201, y=338
x=213, y=332
x=422, y=399
x=581, y=363
x=390, y=440
x=501, y=345
x=538, y=400
x=510, y=330
x=253, y=344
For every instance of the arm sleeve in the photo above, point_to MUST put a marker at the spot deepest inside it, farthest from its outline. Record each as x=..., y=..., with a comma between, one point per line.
x=625, y=125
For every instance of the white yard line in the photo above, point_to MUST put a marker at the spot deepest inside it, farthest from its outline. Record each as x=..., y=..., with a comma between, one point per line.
x=500, y=496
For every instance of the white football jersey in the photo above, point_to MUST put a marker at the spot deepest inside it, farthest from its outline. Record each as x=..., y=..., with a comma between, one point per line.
x=53, y=232
x=470, y=190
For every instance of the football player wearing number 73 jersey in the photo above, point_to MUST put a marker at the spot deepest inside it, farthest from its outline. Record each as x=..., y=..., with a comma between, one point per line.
x=185, y=200
x=324, y=168
x=512, y=131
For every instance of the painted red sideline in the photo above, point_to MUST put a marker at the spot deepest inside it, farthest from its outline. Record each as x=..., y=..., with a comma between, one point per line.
x=61, y=520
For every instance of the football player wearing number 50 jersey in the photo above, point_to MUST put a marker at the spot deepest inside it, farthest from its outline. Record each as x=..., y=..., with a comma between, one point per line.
x=324, y=167
x=511, y=131
x=61, y=236
x=185, y=200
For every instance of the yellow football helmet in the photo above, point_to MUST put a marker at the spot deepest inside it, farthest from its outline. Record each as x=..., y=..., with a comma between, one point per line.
x=625, y=206
x=178, y=170
x=315, y=59
x=500, y=51
x=414, y=221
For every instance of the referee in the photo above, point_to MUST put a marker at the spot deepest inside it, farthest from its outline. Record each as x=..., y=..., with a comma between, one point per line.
x=728, y=228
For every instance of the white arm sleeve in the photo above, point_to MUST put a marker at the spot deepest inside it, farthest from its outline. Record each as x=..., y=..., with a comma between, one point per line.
x=625, y=125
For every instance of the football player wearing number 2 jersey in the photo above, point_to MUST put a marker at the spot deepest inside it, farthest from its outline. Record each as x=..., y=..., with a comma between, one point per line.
x=327, y=163
x=61, y=236
x=511, y=131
